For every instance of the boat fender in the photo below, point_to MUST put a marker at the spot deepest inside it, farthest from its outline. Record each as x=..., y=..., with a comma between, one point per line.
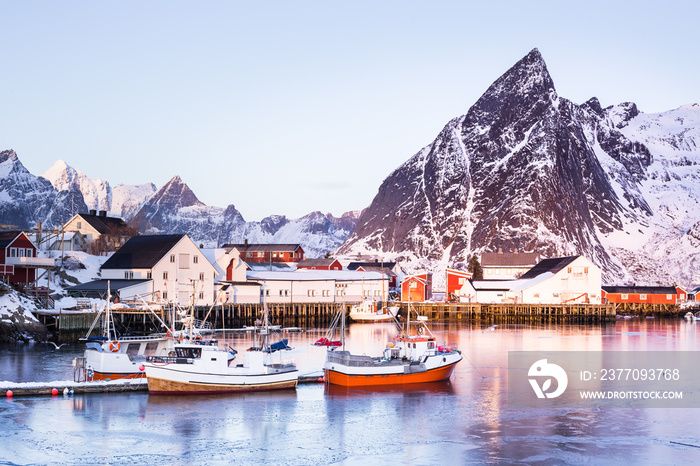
x=90, y=374
x=114, y=346
x=420, y=329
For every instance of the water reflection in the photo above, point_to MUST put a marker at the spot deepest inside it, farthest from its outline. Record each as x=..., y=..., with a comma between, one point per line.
x=466, y=419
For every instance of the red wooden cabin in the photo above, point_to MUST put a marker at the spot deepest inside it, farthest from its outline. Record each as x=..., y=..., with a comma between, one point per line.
x=417, y=288
x=454, y=282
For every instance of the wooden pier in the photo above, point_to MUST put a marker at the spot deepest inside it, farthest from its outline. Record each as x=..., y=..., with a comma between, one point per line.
x=71, y=325
x=580, y=313
x=66, y=388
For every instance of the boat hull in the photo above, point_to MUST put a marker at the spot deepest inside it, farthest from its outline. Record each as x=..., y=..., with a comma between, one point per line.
x=117, y=376
x=365, y=317
x=337, y=376
x=197, y=378
x=173, y=387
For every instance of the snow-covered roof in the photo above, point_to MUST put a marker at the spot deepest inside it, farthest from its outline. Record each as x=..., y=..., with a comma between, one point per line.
x=315, y=275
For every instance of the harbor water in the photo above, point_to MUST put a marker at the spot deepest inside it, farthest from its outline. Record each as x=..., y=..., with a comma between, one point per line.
x=465, y=420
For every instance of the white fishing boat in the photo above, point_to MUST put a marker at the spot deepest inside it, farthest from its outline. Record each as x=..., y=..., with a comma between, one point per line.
x=367, y=311
x=109, y=357
x=204, y=367
x=413, y=357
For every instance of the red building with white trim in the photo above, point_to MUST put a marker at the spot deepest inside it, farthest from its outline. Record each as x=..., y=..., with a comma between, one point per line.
x=417, y=288
x=643, y=294
x=269, y=253
x=320, y=264
x=454, y=282
x=19, y=264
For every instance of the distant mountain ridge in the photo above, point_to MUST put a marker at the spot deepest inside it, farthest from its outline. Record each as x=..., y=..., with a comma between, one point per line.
x=174, y=208
x=525, y=168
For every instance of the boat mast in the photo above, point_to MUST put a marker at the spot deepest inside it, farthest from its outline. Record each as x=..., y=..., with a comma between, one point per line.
x=108, y=314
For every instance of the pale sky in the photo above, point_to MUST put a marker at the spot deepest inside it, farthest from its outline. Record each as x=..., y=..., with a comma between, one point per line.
x=288, y=107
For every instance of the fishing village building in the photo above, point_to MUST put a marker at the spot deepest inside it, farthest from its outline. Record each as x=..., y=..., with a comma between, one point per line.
x=111, y=232
x=390, y=268
x=457, y=286
x=269, y=253
x=670, y=295
x=507, y=265
x=160, y=267
x=572, y=279
x=320, y=264
x=20, y=267
x=417, y=288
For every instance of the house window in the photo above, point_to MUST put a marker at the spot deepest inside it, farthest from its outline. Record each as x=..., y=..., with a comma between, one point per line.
x=13, y=252
x=149, y=274
x=30, y=253
x=267, y=292
x=195, y=259
x=642, y=297
x=413, y=284
x=286, y=292
x=80, y=225
x=21, y=252
x=165, y=295
x=585, y=270
x=461, y=281
x=624, y=296
x=165, y=275
x=201, y=276
x=568, y=270
x=172, y=258
x=311, y=292
x=128, y=275
x=669, y=297
x=280, y=292
x=184, y=261
x=201, y=295
x=497, y=271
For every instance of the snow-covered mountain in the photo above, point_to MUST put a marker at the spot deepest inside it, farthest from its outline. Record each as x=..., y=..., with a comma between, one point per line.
x=174, y=208
x=123, y=201
x=525, y=168
x=26, y=199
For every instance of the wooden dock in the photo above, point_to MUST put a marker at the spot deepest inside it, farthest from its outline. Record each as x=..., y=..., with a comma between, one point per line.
x=71, y=325
x=451, y=312
x=104, y=386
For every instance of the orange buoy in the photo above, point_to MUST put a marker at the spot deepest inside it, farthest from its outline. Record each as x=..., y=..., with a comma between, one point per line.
x=114, y=346
x=9, y=393
x=54, y=392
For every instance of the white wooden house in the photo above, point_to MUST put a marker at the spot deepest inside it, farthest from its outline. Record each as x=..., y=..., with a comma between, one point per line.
x=113, y=231
x=561, y=280
x=321, y=286
x=170, y=268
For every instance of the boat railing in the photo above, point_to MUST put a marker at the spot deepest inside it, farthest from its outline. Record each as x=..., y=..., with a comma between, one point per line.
x=142, y=338
x=169, y=360
x=352, y=360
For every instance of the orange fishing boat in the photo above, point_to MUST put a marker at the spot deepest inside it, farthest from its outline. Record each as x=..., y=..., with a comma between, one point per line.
x=410, y=358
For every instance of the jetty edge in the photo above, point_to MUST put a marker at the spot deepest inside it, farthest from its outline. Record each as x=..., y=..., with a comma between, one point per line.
x=101, y=386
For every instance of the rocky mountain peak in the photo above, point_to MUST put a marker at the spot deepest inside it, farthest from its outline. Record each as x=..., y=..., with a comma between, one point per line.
x=176, y=194
x=8, y=154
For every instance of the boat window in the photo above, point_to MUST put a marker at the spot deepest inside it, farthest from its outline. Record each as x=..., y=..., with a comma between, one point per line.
x=151, y=347
x=431, y=344
x=132, y=349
